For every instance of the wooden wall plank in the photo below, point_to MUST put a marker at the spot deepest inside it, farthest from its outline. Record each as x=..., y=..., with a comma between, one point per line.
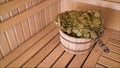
x=32, y=25
x=21, y=8
x=12, y=5
x=40, y=20
x=37, y=21
x=38, y=58
x=14, y=12
x=26, y=29
x=5, y=16
x=19, y=51
x=4, y=45
x=51, y=59
x=43, y=18
x=19, y=33
x=18, y=18
x=29, y=53
x=11, y=38
x=48, y=15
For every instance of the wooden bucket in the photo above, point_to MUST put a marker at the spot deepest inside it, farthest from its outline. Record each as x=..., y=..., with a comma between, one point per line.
x=75, y=45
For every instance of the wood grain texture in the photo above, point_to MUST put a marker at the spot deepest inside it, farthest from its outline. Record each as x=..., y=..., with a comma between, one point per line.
x=32, y=25
x=114, y=42
x=113, y=56
x=113, y=48
x=11, y=38
x=37, y=21
x=19, y=34
x=40, y=56
x=115, y=36
x=12, y=5
x=5, y=16
x=52, y=58
x=19, y=51
x=33, y=50
x=99, y=66
x=26, y=29
x=96, y=52
x=66, y=57
x=4, y=45
x=108, y=63
x=17, y=19
x=43, y=22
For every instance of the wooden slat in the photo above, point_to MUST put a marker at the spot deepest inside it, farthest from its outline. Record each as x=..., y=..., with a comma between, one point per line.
x=96, y=51
x=116, y=32
x=4, y=45
x=17, y=19
x=52, y=58
x=37, y=21
x=14, y=12
x=114, y=42
x=48, y=15
x=99, y=66
x=21, y=8
x=43, y=18
x=11, y=38
x=35, y=2
x=34, y=61
x=26, y=29
x=19, y=34
x=5, y=8
x=36, y=47
x=17, y=52
x=115, y=36
x=113, y=48
x=5, y=16
x=108, y=63
x=78, y=60
x=32, y=25
x=112, y=56
x=63, y=60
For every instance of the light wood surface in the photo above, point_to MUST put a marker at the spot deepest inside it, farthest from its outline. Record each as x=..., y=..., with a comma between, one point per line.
x=16, y=53
x=44, y=50
x=29, y=38
x=23, y=22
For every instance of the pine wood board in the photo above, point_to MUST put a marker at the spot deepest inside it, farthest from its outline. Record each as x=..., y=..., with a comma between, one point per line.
x=53, y=57
x=40, y=56
x=17, y=52
x=113, y=56
x=108, y=63
x=33, y=50
x=96, y=52
x=63, y=60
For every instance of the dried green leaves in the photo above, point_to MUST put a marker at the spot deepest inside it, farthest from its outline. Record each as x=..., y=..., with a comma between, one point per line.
x=81, y=24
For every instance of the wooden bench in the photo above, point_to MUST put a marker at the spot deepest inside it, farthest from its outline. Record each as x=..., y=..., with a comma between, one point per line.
x=29, y=38
x=44, y=50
